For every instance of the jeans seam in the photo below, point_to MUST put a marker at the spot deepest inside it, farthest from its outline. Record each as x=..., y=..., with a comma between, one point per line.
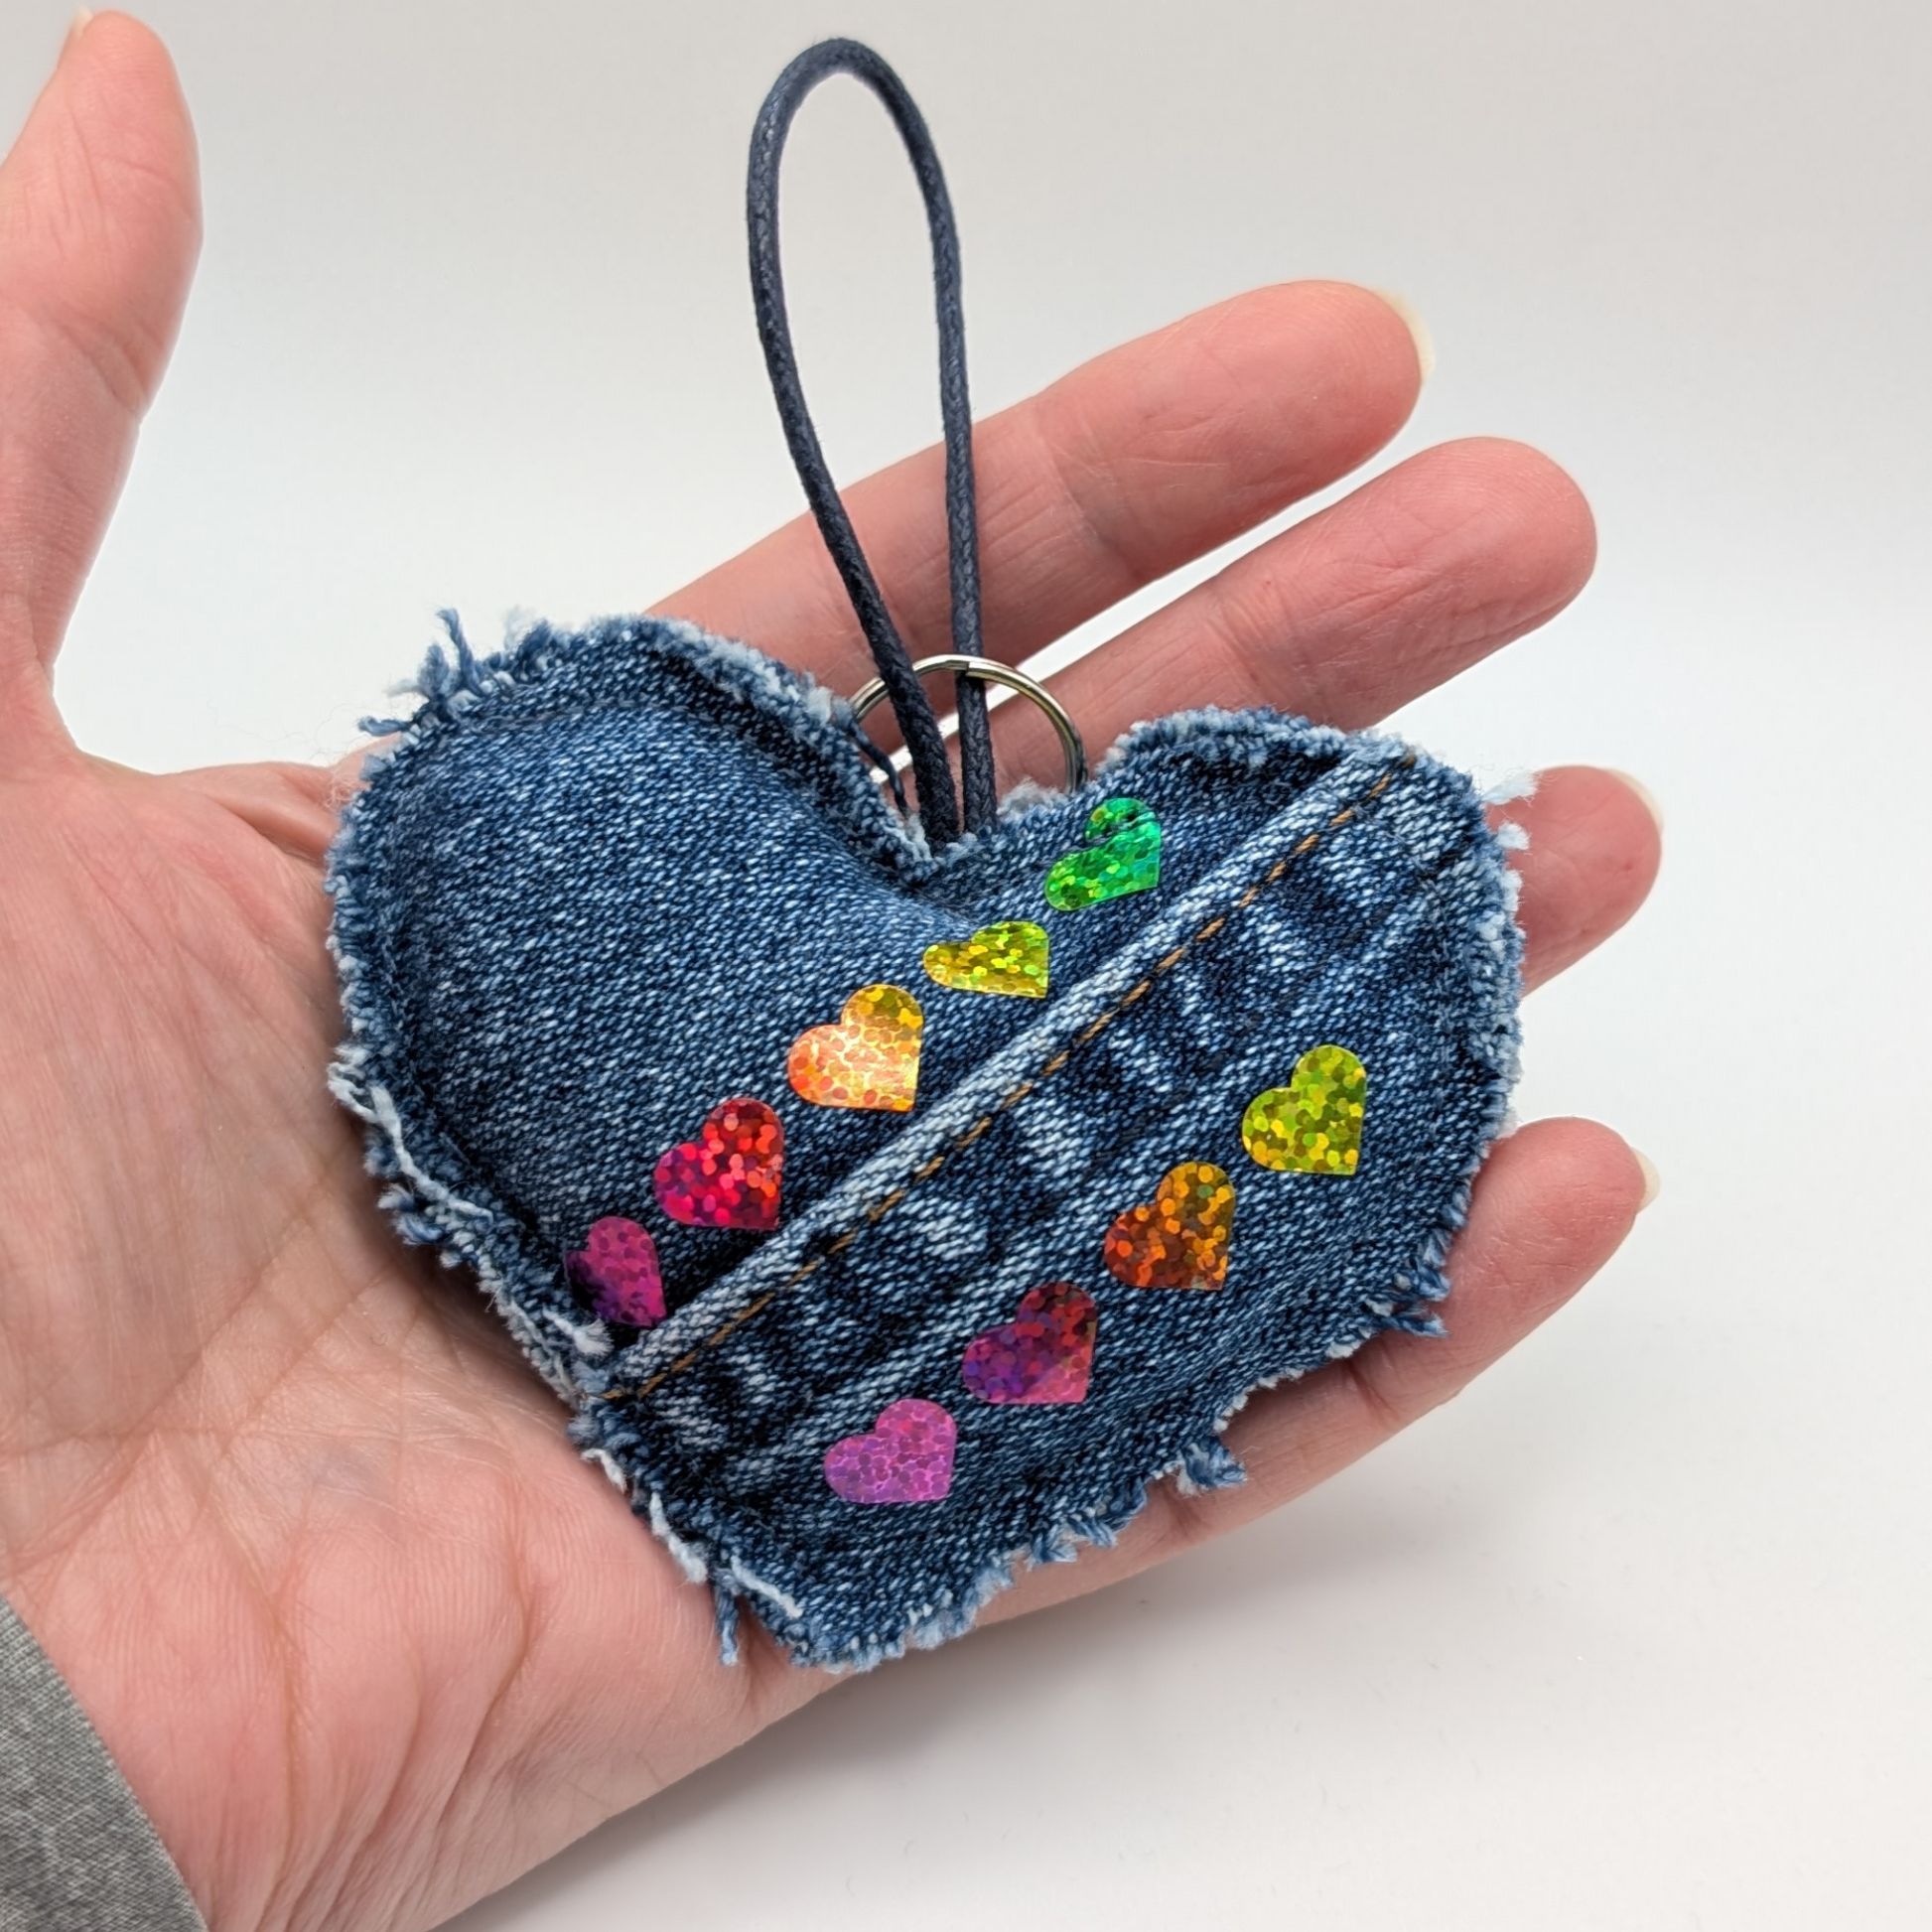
x=1017, y=1092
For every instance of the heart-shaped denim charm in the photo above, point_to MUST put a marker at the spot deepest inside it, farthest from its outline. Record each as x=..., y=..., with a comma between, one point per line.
x=597, y=888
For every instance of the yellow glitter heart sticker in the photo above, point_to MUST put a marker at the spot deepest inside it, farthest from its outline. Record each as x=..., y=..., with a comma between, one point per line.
x=870, y=1058
x=1314, y=1125
x=1009, y=957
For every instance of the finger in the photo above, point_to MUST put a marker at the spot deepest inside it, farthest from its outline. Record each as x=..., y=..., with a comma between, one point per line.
x=1551, y=1207
x=1407, y=581
x=295, y=807
x=98, y=230
x=1148, y=456
x=1594, y=844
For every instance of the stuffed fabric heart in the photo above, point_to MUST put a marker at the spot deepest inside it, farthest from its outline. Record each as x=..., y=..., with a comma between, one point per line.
x=601, y=884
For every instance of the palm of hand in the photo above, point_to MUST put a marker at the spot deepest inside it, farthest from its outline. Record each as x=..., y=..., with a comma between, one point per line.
x=279, y=1499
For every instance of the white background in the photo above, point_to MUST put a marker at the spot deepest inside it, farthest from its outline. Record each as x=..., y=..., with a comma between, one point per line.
x=1634, y=1634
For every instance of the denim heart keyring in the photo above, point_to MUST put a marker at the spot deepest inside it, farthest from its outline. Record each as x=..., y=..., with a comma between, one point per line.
x=895, y=1189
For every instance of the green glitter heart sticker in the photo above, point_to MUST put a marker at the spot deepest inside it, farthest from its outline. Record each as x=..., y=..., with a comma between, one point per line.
x=1124, y=856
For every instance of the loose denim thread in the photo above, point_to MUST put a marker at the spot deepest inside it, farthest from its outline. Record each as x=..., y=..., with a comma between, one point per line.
x=1012, y=1098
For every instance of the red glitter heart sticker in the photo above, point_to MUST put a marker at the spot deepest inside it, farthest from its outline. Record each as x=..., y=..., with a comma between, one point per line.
x=906, y=1458
x=616, y=1268
x=728, y=1177
x=1043, y=1354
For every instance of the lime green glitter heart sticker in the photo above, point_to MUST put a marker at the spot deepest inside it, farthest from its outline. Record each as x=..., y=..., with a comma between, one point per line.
x=1009, y=958
x=1314, y=1125
x=1124, y=856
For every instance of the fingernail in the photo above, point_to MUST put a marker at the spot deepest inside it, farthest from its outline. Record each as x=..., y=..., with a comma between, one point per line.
x=1653, y=1181
x=1417, y=328
x=1643, y=790
x=78, y=24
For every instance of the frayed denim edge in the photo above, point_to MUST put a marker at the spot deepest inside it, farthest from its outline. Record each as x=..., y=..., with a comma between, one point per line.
x=426, y=1212
x=458, y=690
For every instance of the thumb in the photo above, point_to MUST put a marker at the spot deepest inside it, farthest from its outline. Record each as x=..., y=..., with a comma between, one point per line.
x=99, y=224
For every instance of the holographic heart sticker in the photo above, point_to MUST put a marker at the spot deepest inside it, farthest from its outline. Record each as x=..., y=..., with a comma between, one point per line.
x=617, y=1270
x=1314, y=1125
x=906, y=1458
x=1043, y=1354
x=868, y=1059
x=1123, y=856
x=1010, y=958
x=1179, y=1239
x=728, y=1177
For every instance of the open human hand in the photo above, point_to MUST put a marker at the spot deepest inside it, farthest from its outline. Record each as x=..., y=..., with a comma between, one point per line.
x=279, y=1499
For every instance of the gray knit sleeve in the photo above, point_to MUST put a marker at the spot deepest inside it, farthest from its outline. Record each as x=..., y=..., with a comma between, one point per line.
x=77, y=1851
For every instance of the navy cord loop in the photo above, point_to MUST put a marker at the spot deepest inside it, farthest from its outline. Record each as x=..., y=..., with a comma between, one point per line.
x=938, y=803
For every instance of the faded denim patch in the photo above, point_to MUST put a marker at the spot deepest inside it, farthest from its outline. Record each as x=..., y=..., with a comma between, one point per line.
x=600, y=882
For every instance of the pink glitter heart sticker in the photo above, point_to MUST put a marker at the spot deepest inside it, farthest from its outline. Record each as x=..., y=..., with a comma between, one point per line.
x=907, y=1459
x=617, y=1267
x=1043, y=1354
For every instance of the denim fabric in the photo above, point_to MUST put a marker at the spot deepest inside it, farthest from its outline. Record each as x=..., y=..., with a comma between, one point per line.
x=602, y=881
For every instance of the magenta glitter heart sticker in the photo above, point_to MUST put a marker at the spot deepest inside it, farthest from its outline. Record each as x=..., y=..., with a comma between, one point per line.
x=1043, y=1354
x=905, y=1458
x=616, y=1268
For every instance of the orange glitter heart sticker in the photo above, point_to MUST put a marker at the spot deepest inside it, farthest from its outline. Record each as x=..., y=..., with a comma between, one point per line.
x=870, y=1058
x=1179, y=1239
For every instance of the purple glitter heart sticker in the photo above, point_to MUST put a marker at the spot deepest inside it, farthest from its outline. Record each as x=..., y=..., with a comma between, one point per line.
x=1043, y=1354
x=617, y=1267
x=907, y=1459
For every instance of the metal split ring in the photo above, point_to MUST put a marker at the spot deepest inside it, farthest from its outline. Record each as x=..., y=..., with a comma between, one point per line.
x=990, y=670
